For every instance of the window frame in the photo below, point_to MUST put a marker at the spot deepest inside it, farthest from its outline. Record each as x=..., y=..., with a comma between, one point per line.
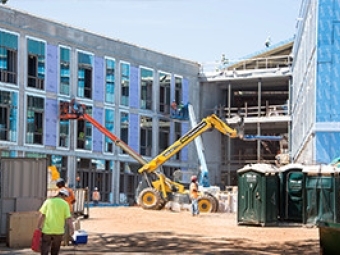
x=110, y=83
x=10, y=75
x=85, y=91
x=124, y=78
x=36, y=130
x=146, y=88
x=145, y=138
x=35, y=78
x=164, y=92
x=63, y=84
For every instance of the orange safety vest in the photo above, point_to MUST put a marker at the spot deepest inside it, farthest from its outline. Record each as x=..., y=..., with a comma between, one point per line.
x=193, y=189
x=96, y=195
x=70, y=199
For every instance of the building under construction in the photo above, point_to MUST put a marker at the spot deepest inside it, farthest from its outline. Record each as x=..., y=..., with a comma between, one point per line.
x=256, y=88
x=287, y=90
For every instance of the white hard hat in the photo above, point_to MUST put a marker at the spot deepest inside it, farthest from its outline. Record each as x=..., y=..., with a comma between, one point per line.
x=64, y=192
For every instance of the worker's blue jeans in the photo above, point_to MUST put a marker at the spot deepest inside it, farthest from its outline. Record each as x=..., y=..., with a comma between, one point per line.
x=194, y=205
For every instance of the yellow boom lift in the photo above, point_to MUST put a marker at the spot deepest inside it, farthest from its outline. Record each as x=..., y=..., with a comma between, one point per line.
x=155, y=189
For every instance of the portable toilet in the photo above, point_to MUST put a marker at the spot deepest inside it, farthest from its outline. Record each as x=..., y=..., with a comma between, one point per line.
x=258, y=194
x=321, y=194
x=291, y=192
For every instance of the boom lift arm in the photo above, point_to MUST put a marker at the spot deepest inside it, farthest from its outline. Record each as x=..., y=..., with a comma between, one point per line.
x=74, y=110
x=68, y=111
x=206, y=124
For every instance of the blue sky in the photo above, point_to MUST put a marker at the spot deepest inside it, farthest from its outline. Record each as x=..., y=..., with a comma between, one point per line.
x=197, y=30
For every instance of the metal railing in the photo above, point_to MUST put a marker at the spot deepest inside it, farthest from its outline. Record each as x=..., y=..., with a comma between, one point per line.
x=256, y=111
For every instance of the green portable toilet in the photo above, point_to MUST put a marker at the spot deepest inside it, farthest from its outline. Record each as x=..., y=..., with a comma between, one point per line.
x=321, y=194
x=329, y=235
x=258, y=194
x=291, y=192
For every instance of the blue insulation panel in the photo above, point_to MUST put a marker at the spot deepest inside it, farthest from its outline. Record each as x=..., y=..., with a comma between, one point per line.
x=134, y=131
x=51, y=69
x=98, y=93
x=327, y=146
x=134, y=90
x=50, y=133
x=185, y=90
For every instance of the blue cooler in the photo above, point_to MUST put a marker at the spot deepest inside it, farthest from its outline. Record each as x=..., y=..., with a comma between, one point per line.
x=80, y=237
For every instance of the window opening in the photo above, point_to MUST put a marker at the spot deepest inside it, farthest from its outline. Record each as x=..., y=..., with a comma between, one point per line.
x=36, y=64
x=146, y=88
x=125, y=83
x=64, y=71
x=8, y=116
x=145, y=136
x=8, y=57
x=109, y=125
x=64, y=131
x=124, y=129
x=110, y=81
x=35, y=117
x=178, y=134
x=85, y=75
x=178, y=90
x=163, y=135
x=164, y=93
x=84, y=132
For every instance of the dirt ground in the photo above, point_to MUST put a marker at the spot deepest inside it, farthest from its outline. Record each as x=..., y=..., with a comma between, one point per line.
x=132, y=230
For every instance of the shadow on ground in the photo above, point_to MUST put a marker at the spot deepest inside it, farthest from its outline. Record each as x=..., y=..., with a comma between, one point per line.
x=169, y=243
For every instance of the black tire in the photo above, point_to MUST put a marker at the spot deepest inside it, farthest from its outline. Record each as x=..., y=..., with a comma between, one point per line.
x=150, y=199
x=161, y=204
x=217, y=206
x=217, y=203
x=206, y=204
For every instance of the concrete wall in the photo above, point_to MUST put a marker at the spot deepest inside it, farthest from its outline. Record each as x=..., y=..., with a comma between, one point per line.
x=210, y=96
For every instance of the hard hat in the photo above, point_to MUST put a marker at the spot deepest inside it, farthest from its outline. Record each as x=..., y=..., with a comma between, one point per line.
x=64, y=192
x=193, y=178
x=60, y=182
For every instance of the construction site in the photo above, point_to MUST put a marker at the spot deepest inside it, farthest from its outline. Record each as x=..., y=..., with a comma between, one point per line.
x=260, y=133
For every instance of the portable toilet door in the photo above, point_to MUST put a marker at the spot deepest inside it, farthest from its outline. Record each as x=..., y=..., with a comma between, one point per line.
x=321, y=194
x=258, y=194
x=291, y=192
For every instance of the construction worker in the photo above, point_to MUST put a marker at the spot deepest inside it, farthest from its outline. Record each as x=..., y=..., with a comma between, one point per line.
x=95, y=196
x=70, y=199
x=76, y=107
x=193, y=192
x=180, y=109
x=54, y=213
x=174, y=108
